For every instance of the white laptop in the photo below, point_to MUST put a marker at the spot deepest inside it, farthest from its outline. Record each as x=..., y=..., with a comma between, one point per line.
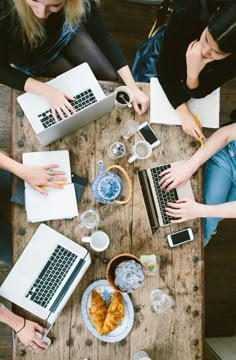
x=90, y=104
x=155, y=198
x=46, y=274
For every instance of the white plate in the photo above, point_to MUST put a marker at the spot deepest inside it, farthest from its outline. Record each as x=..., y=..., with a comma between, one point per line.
x=105, y=290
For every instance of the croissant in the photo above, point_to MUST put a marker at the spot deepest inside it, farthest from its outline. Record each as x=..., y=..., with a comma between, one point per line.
x=115, y=313
x=97, y=311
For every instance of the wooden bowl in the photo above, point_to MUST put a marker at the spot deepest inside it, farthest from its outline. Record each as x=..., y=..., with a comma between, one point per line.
x=113, y=263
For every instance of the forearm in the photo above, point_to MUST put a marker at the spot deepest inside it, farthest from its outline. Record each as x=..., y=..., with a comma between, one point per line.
x=215, y=142
x=226, y=210
x=11, y=165
x=127, y=77
x=36, y=87
x=9, y=318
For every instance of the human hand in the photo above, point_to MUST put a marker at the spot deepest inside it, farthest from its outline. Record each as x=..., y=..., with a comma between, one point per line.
x=184, y=209
x=140, y=101
x=29, y=338
x=42, y=176
x=175, y=176
x=58, y=102
x=190, y=125
x=194, y=60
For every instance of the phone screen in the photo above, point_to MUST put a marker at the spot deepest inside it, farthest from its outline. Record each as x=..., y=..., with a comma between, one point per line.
x=148, y=134
x=180, y=237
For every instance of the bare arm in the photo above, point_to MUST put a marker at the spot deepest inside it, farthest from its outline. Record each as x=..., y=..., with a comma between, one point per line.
x=25, y=329
x=176, y=176
x=187, y=209
x=36, y=176
x=140, y=100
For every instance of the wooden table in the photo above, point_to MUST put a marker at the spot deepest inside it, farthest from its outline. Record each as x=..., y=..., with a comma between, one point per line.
x=179, y=333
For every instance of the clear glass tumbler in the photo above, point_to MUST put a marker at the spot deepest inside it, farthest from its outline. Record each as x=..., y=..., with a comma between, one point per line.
x=161, y=302
x=129, y=128
x=89, y=219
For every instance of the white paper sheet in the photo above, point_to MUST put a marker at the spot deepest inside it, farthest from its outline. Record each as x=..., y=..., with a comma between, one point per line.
x=60, y=203
x=162, y=112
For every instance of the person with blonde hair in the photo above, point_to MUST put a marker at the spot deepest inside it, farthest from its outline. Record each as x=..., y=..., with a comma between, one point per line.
x=49, y=37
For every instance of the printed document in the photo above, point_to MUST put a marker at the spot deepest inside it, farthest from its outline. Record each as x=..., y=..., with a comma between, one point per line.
x=162, y=112
x=60, y=203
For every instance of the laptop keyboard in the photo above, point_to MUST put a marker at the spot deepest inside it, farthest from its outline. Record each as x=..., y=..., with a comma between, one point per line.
x=51, y=277
x=163, y=196
x=81, y=101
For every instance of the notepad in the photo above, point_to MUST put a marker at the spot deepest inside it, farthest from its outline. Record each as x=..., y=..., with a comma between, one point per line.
x=60, y=203
x=162, y=112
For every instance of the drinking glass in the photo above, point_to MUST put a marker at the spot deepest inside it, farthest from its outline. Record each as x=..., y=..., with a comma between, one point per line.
x=161, y=302
x=89, y=219
x=129, y=128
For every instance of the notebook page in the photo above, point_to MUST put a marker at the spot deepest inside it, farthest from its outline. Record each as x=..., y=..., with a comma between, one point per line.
x=162, y=112
x=60, y=203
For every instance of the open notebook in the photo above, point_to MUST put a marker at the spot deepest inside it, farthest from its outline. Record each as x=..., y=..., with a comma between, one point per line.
x=162, y=112
x=60, y=203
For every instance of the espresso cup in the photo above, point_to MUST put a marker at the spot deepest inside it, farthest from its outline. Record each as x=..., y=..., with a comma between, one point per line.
x=141, y=150
x=124, y=97
x=99, y=240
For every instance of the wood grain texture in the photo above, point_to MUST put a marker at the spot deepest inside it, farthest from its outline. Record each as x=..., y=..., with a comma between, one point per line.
x=169, y=337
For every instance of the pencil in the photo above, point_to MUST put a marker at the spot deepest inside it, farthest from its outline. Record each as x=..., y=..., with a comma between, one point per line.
x=200, y=127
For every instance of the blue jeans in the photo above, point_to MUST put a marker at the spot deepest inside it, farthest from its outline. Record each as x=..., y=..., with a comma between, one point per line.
x=219, y=184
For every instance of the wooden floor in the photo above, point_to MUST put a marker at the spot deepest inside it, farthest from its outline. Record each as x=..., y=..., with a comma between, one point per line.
x=220, y=254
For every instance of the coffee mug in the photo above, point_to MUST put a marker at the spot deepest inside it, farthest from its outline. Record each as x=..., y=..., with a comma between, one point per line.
x=141, y=355
x=124, y=97
x=141, y=150
x=99, y=240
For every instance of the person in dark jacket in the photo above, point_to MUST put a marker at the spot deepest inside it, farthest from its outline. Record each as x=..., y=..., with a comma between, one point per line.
x=198, y=54
x=49, y=37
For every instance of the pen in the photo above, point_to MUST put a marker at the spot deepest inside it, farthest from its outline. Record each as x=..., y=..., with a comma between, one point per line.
x=200, y=127
x=59, y=183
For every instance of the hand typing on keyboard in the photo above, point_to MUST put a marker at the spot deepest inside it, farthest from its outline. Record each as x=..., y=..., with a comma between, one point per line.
x=176, y=175
x=59, y=102
x=184, y=209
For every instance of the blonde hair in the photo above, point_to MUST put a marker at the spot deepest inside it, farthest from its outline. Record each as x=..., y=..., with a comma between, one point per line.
x=32, y=28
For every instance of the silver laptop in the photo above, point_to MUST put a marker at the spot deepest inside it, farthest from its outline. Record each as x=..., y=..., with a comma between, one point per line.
x=46, y=274
x=90, y=103
x=156, y=199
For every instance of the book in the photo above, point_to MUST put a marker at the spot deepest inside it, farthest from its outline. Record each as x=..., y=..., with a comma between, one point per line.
x=60, y=203
x=162, y=112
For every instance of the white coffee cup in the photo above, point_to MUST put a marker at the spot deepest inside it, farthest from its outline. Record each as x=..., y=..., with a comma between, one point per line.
x=99, y=240
x=141, y=150
x=124, y=97
x=141, y=355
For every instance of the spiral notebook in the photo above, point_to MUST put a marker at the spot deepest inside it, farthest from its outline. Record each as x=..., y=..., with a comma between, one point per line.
x=60, y=203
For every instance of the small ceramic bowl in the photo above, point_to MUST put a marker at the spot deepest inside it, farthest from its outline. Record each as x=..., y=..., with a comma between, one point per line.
x=112, y=265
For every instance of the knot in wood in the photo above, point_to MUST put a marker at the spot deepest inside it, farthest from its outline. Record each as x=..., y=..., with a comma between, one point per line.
x=195, y=342
x=195, y=312
x=105, y=260
x=195, y=287
x=137, y=308
x=123, y=342
x=20, y=114
x=22, y=352
x=163, y=258
x=193, y=144
x=195, y=258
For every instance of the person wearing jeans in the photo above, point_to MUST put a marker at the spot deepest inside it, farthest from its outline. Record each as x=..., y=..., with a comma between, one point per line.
x=219, y=151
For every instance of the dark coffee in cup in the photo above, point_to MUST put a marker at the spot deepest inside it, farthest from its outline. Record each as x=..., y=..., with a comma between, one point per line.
x=122, y=97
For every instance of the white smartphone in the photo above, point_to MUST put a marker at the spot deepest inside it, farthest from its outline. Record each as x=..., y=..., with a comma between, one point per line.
x=147, y=133
x=180, y=237
x=44, y=338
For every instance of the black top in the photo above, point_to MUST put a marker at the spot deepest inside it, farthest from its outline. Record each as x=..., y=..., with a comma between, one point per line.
x=14, y=51
x=186, y=24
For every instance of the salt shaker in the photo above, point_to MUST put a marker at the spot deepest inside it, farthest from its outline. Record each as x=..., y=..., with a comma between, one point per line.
x=116, y=150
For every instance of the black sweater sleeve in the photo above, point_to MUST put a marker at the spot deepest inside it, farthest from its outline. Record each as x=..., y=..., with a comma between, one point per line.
x=8, y=75
x=103, y=38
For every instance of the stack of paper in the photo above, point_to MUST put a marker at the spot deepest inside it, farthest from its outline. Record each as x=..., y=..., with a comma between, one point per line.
x=60, y=203
x=162, y=112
